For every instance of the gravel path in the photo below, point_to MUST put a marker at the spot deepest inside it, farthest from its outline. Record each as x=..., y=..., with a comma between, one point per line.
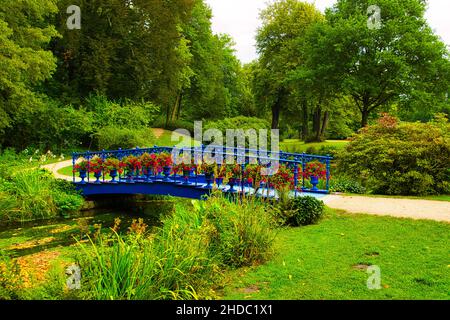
x=54, y=167
x=400, y=208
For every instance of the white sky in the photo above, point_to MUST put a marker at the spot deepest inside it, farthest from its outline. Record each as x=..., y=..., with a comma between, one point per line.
x=239, y=18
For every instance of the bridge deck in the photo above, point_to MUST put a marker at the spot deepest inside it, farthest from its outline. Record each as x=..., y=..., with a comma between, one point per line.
x=193, y=190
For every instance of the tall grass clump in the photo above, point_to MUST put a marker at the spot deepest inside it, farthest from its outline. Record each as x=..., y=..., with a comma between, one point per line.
x=183, y=258
x=116, y=267
x=243, y=230
x=173, y=264
x=33, y=194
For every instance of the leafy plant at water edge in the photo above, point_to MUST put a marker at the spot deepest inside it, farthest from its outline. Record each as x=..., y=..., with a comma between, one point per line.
x=347, y=185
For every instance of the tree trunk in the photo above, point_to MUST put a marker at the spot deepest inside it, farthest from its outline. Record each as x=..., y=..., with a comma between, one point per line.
x=168, y=116
x=180, y=104
x=305, y=124
x=365, y=117
x=326, y=118
x=316, y=122
x=276, y=114
x=175, y=107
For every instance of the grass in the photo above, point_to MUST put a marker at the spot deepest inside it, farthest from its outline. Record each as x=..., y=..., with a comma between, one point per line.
x=296, y=145
x=324, y=261
x=327, y=261
x=165, y=140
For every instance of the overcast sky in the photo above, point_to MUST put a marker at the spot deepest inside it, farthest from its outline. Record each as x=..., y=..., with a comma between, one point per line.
x=239, y=18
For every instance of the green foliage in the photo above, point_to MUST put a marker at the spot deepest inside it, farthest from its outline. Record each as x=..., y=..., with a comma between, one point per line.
x=182, y=259
x=24, y=36
x=52, y=126
x=301, y=211
x=240, y=122
x=401, y=62
x=112, y=138
x=242, y=232
x=127, y=114
x=123, y=50
x=284, y=25
x=174, y=125
x=27, y=193
x=399, y=158
x=346, y=185
x=217, y=87
x=173, y=264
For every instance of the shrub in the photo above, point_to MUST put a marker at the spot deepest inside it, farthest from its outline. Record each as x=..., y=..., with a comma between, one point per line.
x=343, y=184
x=397, y=158
x=34, y=194
x=173, y=264
x=51, y=125
x=174, y=125
x=125, y=114
x=300, y=211
x=113, y=138
x=240, y=122
x=243, y=230
x=307, y=210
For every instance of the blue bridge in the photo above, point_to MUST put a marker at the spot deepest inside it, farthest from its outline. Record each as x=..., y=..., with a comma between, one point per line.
x=164, y=171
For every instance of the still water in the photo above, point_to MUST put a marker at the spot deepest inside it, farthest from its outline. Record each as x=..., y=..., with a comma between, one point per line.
x=32, y=237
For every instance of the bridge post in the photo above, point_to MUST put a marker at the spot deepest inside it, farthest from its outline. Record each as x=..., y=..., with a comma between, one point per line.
x=303, y=170
x=88, y=158
x=328, y=173
x=73, y=166
x=295, y=179
x=103, y=160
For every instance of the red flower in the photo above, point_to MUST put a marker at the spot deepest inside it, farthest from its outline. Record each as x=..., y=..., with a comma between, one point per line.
x=315, y=169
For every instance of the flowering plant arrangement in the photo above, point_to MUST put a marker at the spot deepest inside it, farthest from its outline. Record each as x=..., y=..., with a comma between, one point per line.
x=208, y=169
x=81, y=166
x=283, y=179
x=164, y=159
x=148, y=160
x=236, y=171
x=96, y=165
x=132, y=163
x=253, y=174
x=184, y=168
x=113, y=164
x=223, y=171
x=315, y=169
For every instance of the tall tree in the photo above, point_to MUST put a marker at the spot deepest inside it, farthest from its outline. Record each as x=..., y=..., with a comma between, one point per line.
x=214, y=90
x=125, y=49
x=283, y=24
x=24, y=60
x=377, y=66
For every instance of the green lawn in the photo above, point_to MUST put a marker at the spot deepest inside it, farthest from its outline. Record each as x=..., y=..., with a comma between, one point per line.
x=165, y=140
x=67, y=171
x=296, y=145
x=326, y=261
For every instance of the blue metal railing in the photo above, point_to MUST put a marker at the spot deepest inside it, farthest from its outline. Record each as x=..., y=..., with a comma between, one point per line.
x=293, y=161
